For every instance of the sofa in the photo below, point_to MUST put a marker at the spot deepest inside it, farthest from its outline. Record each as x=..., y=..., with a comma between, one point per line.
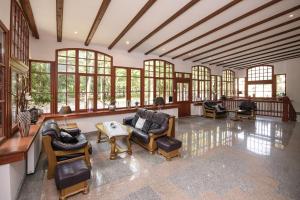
x=63, y=145
x=213, y=109
x=157, y=125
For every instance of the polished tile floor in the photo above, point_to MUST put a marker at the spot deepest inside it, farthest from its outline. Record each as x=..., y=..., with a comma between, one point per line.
x=221, y=159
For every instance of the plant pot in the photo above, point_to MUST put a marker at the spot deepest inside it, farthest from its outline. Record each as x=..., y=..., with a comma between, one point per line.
x=24, y=121
x=112, y=107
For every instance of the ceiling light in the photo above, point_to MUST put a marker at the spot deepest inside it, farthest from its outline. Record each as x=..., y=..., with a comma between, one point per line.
x=163, y=49
x=127, y=42
x=75, y=32
x=291, y=15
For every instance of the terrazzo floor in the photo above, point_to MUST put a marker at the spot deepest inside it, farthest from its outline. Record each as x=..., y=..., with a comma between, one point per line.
x=221, y=159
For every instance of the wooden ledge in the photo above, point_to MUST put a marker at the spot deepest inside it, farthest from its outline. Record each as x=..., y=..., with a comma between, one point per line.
x=15, y=148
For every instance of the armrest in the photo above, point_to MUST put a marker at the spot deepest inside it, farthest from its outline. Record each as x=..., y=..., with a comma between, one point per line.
x=158, y=131
x=72, y=131
x=128, y=120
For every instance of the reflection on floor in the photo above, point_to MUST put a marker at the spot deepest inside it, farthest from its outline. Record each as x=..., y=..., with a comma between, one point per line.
x=221, y=159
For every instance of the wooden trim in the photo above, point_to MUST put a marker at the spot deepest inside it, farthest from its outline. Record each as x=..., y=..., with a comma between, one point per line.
x=25, y=4
x=276, y=54
x=98, y=18
x=270, y=60
x=205, y=19
x=224, y=25
x=220, y=63
x=59, y=19
x=139, y=15
x=242, y=30
x=165, y=23
x=249, y=43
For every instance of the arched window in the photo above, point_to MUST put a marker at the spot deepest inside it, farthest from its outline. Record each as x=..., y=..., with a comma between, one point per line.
x=83, y=79
x=228, y=83
x=201, y=83
x=260, y=81
x=158, y=81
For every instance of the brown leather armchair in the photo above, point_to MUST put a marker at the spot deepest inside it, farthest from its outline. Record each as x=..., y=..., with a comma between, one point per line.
x=210, y=110
x=247, y=109
x=61, y=149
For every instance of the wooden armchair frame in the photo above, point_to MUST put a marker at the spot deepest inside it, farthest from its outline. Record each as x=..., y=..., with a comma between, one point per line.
x=52, y=155
x=212, y=113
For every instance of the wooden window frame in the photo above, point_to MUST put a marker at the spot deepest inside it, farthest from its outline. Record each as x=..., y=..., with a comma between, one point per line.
x=164, y=78
x=225, y=82
x=203, y=94
x=77, y=76
x=255, y=82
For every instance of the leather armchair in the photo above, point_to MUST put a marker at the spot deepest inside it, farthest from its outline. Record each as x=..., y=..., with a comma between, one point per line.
x=247, y=109
x=210, y=110
x=59, y=151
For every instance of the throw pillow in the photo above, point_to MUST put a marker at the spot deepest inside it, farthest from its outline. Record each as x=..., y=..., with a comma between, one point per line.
x=147, y=126
x=140, y=123
x=67, y=138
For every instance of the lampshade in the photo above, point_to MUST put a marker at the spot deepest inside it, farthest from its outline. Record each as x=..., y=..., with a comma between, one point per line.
x=65, y=110
x=159, y=101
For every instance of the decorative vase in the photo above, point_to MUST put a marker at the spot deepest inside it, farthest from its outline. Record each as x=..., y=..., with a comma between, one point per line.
x=112, y=107
x=24, y=121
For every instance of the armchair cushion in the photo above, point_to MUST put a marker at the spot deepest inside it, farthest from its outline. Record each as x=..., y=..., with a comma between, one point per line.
x=157, y=131
x=140, y=135
x=71, y=131
x=67, y=138
x=154, y=126
x=59, y=145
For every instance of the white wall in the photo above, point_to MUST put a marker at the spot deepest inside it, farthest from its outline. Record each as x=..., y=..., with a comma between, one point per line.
x=44, y=49
x=292, y=70
x=5, y=12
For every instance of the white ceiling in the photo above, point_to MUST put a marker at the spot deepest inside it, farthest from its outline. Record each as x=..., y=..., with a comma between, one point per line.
x=80, y=14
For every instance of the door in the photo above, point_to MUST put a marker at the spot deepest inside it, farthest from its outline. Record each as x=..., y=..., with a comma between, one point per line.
x=183, y=93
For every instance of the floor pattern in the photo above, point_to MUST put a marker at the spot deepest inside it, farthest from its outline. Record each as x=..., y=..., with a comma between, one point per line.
x=221, y=159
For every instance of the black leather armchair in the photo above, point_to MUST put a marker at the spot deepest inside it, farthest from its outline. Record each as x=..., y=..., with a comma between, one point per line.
x=61, y=149
x=247, y=109
x=212, y=109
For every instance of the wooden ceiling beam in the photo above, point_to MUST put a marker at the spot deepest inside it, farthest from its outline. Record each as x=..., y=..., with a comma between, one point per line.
x=59, y=19
x=132, y=22
x=165, y=23
x=263, y=57
x=215, y=13
x=267, y=61
x=244, y=38
x=98, y=19
x=238, y=31
x=249, y=43
x=261, y=52
x=26, y=7
x=251, y=12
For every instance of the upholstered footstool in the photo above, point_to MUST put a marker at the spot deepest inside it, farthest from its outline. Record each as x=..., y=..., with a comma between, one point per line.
x=71, y=178
x=169, y=147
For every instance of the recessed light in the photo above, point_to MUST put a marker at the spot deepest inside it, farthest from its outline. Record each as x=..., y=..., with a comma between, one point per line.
x=127, y=42
x=163, y=49
x=291, y=15
x=75, y=32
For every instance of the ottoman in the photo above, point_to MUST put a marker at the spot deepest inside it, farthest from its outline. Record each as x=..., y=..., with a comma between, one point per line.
x=71, y=178
x=169, y=147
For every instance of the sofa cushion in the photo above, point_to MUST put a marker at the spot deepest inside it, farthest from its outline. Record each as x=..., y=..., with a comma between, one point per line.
x=140, y=123
x=154, y=126
x=134, y=120
x=147, y=126
x=140, y=135
x=71, y=173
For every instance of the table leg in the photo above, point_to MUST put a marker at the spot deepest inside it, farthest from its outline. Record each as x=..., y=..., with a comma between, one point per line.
x=112, y=141
x=129, y=151
x=99, y=136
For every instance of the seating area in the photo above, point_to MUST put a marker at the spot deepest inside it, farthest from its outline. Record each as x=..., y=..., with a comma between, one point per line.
x=149, y=100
